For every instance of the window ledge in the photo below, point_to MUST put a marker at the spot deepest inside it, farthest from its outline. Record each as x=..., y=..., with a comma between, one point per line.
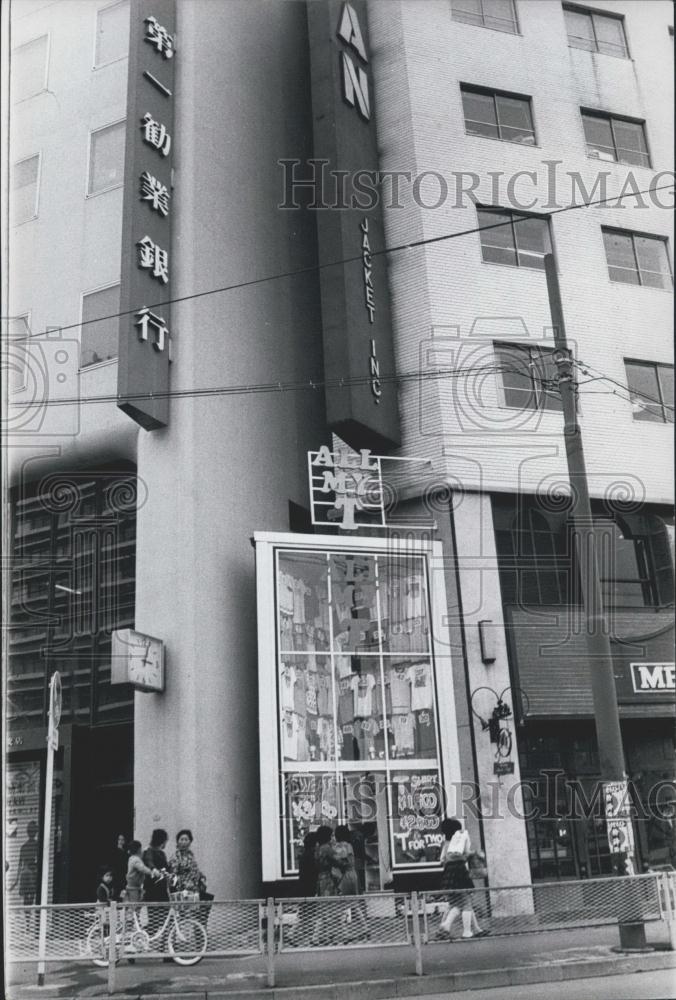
x=486, y=27
x=511, y=142
x=95, y=194
x=22, y=100
x=595, y=52
x=620, y=163
x=111, y=62
x=97, y=365
x=649, y=288
x=16, y=225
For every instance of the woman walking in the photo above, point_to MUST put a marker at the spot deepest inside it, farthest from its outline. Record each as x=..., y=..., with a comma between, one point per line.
x=454, y=853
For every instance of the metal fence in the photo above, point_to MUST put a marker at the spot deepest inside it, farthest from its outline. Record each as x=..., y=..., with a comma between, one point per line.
x=188, y=931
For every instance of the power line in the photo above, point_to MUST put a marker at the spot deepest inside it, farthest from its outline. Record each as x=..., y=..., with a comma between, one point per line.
x=351, y=260
x=625, y=388
x=233, y=390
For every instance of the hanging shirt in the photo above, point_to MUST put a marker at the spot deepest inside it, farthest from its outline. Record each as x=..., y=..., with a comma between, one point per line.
x=420, y=675
x=288, y=683
x=400, y=690
x=324, y=694
x=286, y=583
x=363, y=686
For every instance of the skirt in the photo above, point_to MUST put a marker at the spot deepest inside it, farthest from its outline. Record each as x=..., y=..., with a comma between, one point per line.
x=456, y=876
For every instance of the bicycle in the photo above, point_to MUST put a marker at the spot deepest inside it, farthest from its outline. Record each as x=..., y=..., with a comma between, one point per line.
x=186, y=936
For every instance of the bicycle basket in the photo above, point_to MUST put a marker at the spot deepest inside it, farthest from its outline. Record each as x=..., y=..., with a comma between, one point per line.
x=184, y=896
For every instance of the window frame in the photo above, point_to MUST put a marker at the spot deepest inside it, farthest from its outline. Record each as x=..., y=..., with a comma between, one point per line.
x=491, y=27
x=611, y=119
x=537, y=391
x=102, y=10
x=468, y=88
x=591, y=13
x=645, y=236
x=111, y=187
x=43, y=89
x=107, y=361
x=36, y=207
x=660, y=394
x=511, y=213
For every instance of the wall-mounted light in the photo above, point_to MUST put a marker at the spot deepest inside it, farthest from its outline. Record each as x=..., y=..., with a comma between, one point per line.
x=487, y=641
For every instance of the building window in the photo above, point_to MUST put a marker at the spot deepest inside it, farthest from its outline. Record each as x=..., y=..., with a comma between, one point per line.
x=636, y=259
x=652, y=390
x=498, y=115
x=498, y=14
x=620, y=140
x=98, y=341
x=529, y=377
x=28, y=73
x=514, y=239
x=595, y=32
x=112, y=34
x=24, y=203
x=106, y=158
x=635, y=561
x=73, y=582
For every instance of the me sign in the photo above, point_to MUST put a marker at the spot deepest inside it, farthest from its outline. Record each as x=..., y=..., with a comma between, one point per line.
x=653, y=678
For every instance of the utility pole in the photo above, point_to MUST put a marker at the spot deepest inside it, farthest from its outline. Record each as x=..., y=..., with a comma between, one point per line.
x=606, y=715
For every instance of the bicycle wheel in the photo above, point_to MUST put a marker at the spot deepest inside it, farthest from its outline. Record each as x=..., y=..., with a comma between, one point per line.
x=97, y=946
x=187, y=941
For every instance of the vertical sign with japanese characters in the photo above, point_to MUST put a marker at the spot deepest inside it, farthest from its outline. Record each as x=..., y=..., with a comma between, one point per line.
x=145, y=288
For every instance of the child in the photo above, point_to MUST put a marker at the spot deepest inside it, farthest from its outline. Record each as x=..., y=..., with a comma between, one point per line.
x=136, y=873
x=104, y=894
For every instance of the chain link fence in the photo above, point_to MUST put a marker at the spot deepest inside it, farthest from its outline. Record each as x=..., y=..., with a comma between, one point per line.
x=187, y=931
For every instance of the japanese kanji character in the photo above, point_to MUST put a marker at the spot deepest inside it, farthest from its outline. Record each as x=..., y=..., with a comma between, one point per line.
x=155, y=134
x=149, y=323
x=151, y=257
x=159, y=37
x=155, y=192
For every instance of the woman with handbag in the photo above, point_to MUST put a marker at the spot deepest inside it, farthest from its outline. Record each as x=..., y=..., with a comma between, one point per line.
x=454, y=854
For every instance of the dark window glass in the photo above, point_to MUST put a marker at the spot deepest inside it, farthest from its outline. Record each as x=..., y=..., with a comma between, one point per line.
x=498, y=116
x=514, y=239
x=652, y=391
x=528, y=377
x=99, y=336
x=498, y=14
x=595, y=32
x=615, y=139
x=637, y=260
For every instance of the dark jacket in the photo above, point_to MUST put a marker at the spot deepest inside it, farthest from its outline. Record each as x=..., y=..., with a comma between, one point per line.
x=155, y=891
x=307, y=875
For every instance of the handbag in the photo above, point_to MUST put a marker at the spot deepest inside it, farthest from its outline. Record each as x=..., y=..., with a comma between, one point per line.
x=476, y=863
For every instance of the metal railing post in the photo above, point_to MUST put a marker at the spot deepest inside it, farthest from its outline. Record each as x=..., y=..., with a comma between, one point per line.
x=417, y=943
x=270, y=942
x=112, y=945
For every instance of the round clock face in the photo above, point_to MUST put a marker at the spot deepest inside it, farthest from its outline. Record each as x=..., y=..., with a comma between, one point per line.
x=145, y=664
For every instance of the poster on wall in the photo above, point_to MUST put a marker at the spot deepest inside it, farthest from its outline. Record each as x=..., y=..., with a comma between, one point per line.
x=417, y=811
x=23, y=846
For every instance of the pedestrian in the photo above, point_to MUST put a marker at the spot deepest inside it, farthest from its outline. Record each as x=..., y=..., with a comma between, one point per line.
x=104, y=894
x=308, y=872
x=137, y=872
x=156, y=890
x=119, y=862
x=27, y=873
x=454, y=853
x=183, y=865
x=349, y=881
x=328, y=874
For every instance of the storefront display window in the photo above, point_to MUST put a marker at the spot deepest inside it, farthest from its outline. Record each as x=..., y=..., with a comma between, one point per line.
x=356, y=704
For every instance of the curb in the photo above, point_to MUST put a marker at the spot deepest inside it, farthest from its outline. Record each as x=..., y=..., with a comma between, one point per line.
x=380, y=989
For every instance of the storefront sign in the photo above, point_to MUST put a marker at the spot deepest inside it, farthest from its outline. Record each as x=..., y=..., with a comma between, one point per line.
x=362, y=406
x=503, y=767
x=145, y=292
x=347, y=489
x=653, y=677
x=417, y=812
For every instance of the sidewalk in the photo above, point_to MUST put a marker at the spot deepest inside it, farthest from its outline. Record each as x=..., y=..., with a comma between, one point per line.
x=359, y=974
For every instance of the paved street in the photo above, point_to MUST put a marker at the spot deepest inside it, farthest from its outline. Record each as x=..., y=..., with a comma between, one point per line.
x=639, y=986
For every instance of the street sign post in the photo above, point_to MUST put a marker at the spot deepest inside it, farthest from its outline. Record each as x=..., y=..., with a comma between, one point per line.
x=53, y=720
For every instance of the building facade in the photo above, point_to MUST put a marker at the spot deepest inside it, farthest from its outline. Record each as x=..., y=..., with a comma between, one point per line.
x=199, y=324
